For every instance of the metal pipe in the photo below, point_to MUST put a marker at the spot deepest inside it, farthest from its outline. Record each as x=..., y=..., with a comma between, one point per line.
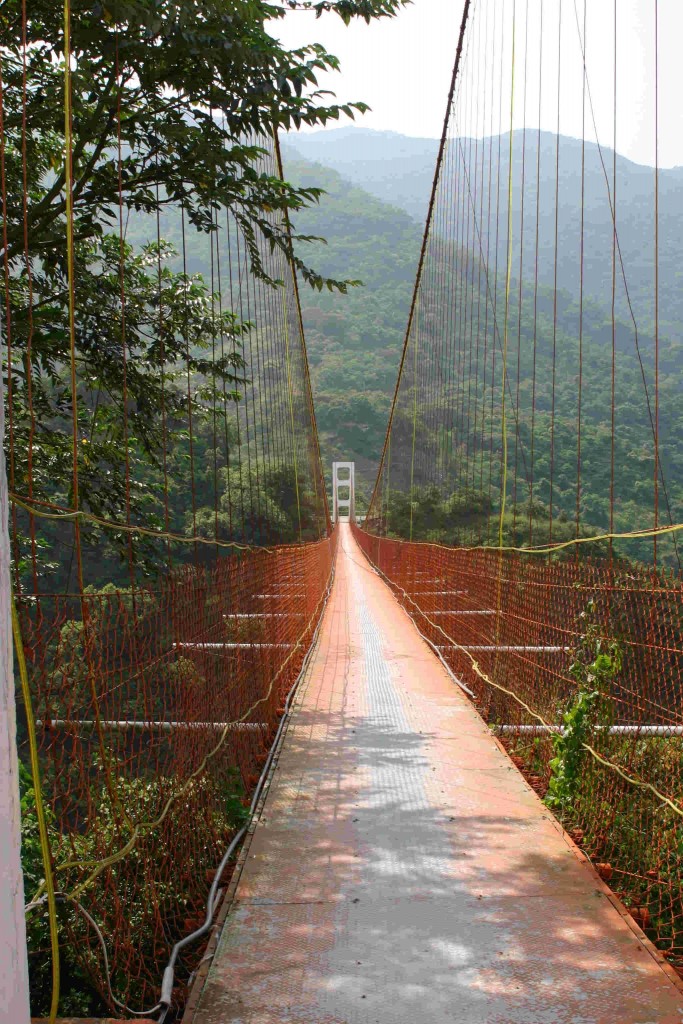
x=439, y=593
x=468, y=611
x=141, y=726
x=181, y=644
x=264, y=615
x=611, y=730
x=503, y=647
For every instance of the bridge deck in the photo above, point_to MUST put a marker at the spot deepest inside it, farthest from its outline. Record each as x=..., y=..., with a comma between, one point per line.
x=402, y=871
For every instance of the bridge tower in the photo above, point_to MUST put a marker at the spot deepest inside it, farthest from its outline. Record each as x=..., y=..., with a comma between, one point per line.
x=343, y=492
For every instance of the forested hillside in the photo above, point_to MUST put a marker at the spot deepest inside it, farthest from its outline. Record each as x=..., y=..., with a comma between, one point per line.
x=354, y=341
x=391, y=167
x=399, y=170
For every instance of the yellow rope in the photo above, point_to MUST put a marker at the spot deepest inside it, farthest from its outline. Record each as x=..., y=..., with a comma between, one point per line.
x=508, y=277
x=503, y=408
x=552, y=548
x=634, y=782
x=112, y=524
x=318, y=477
x=48, y=884
x=423, y=248
x=291, y=408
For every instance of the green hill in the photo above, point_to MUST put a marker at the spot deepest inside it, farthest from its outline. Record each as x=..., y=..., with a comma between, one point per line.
x=393, y=168
x=354, y=341
x=399, y=170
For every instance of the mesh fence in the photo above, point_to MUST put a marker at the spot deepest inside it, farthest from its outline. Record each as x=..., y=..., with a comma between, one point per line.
x=528, y=503
x=601, y=742
x=171, y=542
x=155, y=708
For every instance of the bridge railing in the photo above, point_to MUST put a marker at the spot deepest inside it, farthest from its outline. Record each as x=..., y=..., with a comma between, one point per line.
x=528, y=504
x=171, y=543
x=578, y=667
x=154, y=712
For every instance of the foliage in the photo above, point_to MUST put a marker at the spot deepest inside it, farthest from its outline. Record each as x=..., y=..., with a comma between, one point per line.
x=141, y=894
x=596, y=663
x=469, y=518
x=176, y=89
x=267, y=506
x=168, y=323
x=77, y=997
x=430, y=515
x=169, y=100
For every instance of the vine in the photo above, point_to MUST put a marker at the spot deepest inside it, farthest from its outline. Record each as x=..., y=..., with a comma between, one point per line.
x=596, y=662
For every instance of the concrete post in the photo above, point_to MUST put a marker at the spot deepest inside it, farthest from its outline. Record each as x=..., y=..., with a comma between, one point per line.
x=14, y=996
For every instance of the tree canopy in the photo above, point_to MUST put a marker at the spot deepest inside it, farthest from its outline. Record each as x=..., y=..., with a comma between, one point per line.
x=172, y=102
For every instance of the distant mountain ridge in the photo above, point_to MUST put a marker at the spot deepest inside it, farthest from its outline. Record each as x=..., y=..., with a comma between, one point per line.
x=395, y=168
x=399, y=170
x=354, y=341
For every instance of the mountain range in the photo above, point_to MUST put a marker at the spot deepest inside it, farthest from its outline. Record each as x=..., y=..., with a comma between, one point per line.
x=378, y=186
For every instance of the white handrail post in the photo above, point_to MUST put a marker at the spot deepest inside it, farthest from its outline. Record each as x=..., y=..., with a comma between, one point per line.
x=14, y=994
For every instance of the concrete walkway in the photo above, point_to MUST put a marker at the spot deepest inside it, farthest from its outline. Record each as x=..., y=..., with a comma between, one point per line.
x=403, y=872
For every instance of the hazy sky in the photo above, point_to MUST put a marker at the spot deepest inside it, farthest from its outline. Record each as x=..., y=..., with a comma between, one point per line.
x=402, y=67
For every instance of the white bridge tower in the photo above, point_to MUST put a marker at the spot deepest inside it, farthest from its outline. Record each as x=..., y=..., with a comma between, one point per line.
x=343, y=492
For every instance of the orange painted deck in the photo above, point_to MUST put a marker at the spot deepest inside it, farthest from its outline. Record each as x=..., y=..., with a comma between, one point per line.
x=403, y=872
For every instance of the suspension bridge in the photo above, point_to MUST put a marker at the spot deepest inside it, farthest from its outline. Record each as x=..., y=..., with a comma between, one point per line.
x=402, y=869
x=276, y=761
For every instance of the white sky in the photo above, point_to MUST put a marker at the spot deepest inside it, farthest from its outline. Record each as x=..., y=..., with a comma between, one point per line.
x=402, y=67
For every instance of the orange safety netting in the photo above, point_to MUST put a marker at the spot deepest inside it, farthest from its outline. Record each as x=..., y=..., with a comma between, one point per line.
x=528, y=502
x=155, y=710
x=171, y=543
x=522, y=634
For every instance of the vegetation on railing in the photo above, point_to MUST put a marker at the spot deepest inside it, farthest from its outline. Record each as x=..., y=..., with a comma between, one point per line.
x=83, y=988
x=595, y=665
x=604, y=812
